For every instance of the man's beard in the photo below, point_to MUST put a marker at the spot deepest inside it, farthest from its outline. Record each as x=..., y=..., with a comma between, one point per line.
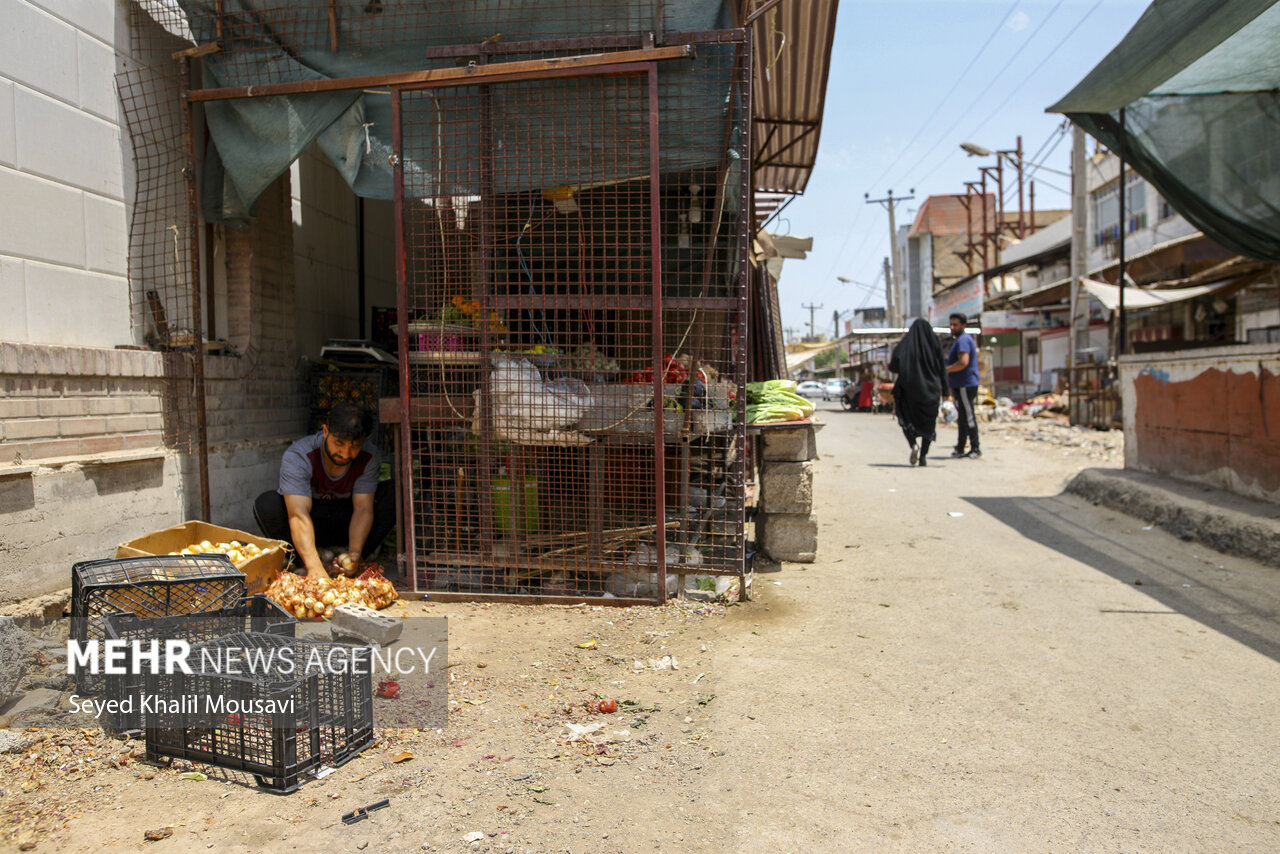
x=332, y=459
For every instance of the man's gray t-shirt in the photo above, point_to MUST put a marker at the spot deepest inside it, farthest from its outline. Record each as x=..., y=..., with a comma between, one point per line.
x=302, y=471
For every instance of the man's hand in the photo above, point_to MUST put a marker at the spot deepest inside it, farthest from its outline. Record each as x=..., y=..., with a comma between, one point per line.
x=318, y=573
x=347, y=564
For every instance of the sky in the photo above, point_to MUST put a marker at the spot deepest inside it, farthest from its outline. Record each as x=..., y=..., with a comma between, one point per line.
x=911, y=80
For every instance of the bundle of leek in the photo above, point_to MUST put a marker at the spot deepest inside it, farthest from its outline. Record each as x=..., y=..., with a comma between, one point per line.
x=775, y=400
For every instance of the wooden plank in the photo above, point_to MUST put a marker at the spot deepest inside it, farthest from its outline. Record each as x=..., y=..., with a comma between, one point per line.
x=464, y=74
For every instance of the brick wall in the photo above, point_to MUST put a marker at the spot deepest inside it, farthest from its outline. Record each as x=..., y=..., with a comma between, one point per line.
x=75, y=401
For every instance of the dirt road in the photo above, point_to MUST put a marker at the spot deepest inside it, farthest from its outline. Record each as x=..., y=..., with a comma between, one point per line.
x=970, y=665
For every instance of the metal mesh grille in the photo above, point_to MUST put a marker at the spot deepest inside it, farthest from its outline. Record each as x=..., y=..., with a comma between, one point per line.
x=575, y=354
x=261, y=44
x=160, y=234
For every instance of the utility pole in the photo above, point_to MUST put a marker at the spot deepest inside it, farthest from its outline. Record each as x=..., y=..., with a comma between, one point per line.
x=1077, y=339
x=789, y=334
x=891, y=283
x=812, y=308
x=888, y=309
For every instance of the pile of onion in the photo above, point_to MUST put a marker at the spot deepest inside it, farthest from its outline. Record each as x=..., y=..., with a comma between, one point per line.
x=315, y=599
x=240, y=553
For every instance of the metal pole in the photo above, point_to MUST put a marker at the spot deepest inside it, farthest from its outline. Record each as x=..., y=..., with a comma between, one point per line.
x=193, y=222
x=659, y=369
x=888, y=318
x=406, y=443
x=1022, y=221
x=1079, y=235
x=985, y=260
x=892, y=308
x=1122, y=345
x=1032, y=189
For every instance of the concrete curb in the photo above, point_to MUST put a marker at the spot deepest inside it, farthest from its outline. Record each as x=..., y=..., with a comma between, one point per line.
x=1219, y=519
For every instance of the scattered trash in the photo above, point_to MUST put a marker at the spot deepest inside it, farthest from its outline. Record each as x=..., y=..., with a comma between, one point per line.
x=696, y=678
x=1148, y=527
x=388, y=688
x=954, y=513
x=473, y=836
x=594, y=734
x=667, y=662
x=522, y=777
x=591, y=644
x=323, y=771
x=156, y=835
x=402, y=756
x=363, y=812
x=194, y=775
x=608, y=707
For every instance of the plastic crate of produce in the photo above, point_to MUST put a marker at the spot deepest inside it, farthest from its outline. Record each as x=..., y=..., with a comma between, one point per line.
x=277, y=720
x=125, y=709
x=147, y=586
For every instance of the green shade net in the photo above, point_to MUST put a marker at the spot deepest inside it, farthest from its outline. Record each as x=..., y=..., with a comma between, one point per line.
x=254, y=140
x=1191, y=99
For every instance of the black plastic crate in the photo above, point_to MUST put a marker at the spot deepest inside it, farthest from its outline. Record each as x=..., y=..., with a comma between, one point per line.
x=124, y=693
x=222, y=719
x=147, y=586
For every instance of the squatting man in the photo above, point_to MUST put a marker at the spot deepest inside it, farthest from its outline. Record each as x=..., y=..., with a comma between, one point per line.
x=329, y=495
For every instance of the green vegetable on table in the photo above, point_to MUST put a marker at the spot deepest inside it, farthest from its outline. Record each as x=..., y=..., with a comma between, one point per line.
x=775, y=400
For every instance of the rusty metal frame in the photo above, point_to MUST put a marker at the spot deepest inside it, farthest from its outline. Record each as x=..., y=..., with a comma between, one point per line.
x=469, y=74
x=193, y=254
x=643, y=60
x=505, y=73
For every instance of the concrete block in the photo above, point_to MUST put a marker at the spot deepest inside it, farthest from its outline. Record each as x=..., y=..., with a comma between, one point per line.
x=794, y=444
x=101, y=318
x=106, y=235
x=353, y=620
x=13, y=296
x=82, y=426
x=67, y=145
x=53, y=448
x=11, y=409
x=127, y=423
x=101, y=20
x=109, y=406
x=786, y=487
x=41, y=219
x=38, y=428
x=97, y=62
x=16, y=648
x=788, y=537
x=62, y=407
x=36, y=48
x=8, y=134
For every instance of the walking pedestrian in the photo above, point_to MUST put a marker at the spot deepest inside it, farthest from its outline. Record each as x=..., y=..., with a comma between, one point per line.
x=917, y=360
x=962, y=377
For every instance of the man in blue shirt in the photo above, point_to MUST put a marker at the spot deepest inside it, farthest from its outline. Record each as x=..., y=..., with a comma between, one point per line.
x=329, y=494
x=962, y=377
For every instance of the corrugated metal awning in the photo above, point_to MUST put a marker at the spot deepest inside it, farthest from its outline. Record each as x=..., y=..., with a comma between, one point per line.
x=792, y=51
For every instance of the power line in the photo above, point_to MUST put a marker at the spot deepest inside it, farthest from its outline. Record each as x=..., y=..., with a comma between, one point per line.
x=946, y=135
x=902, y=152
x=1026, y=78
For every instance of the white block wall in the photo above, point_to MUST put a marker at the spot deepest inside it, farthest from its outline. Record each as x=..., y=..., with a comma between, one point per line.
x=63, y=227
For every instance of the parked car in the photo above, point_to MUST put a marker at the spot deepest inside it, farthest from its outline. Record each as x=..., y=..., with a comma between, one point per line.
x=809, y=388
x=834, y=388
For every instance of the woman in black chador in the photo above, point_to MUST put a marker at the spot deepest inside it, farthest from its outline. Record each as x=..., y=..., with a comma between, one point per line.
x=917, y=360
